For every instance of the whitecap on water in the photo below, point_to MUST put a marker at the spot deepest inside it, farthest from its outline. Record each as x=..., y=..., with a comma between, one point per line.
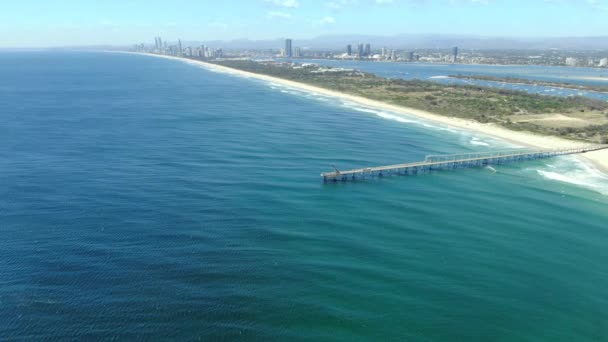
x=380, y=113
x=476, y=141
x=574, y=171
x=401, y=118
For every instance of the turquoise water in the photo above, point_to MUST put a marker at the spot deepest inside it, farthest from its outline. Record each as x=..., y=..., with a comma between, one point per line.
x=143, y=198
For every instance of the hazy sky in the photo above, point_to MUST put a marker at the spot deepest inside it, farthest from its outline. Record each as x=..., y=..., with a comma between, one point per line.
x=35, y=23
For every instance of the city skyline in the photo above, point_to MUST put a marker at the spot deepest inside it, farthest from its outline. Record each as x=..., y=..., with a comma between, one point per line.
x=32, y=23
x=367, y=52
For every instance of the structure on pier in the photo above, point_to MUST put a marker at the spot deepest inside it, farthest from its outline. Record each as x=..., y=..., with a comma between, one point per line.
x=453, y=161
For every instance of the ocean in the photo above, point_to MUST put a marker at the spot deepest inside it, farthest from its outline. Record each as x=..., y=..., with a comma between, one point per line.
x=150, y=199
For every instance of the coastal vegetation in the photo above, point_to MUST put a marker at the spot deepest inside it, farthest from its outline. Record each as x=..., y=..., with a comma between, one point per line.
x=575, y=118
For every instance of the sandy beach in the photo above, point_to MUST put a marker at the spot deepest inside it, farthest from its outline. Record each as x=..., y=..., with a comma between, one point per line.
x=599, y=158
x=592, y=78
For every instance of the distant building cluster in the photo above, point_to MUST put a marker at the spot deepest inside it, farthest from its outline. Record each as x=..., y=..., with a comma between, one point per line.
x=360, y=51
x=364, y=51
x=178, y=50
x=589, y=62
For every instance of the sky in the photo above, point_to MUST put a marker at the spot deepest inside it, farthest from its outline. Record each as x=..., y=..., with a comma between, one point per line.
x=44, y=23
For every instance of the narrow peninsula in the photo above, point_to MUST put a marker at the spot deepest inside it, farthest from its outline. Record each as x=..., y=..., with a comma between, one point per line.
x=576, y=118
x=522, y=118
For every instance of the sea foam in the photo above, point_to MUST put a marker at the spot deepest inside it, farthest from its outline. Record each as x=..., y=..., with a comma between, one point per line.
x=478, y=142
x=573, y=170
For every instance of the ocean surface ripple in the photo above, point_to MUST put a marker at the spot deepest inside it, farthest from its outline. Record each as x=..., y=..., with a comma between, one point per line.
x=143, y=198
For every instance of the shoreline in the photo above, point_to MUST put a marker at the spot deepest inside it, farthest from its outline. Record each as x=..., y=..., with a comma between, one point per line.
x=539, y=83
x=599, y=159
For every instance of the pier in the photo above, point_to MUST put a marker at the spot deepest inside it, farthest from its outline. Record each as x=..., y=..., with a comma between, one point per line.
x=453, y=161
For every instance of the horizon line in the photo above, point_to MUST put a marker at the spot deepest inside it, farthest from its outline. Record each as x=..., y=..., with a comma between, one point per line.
x=452, y=35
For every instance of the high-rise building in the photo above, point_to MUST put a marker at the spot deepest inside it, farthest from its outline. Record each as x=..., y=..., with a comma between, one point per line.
x=368, y=49
x=180, y=51
x=570, y=61
x=603, y=62
x=455, y=54
x=288, y=50
x=360, y=50
x=409, y=56
x=208, y=52
x=349, y=50
x=297, y=52
x=160, y=43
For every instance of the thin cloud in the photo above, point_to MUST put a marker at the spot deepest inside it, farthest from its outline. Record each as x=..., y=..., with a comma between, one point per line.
x=596, y=5
x=327, y=20
x=339, y=4
x=468, y=2
x=285, y=3
x=218, y=25
x=279, y=15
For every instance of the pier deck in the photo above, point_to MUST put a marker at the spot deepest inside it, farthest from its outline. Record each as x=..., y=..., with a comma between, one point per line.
x=453, y=161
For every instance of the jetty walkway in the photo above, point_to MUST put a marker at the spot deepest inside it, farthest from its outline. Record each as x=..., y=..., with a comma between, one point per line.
x=454, y=161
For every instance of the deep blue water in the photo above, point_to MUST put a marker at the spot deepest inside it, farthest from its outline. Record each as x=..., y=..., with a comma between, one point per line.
x=440, y=73
x=149, y=199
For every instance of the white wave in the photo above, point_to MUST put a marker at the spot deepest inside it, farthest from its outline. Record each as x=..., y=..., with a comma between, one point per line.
x=319, y=97
x=295, y=91
x=393, y=117
x=380, y=113
x=439, y=77
x=491, y=168
x=440, y=128
x=477, y=142
x=573, y=170
x=405, y=119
